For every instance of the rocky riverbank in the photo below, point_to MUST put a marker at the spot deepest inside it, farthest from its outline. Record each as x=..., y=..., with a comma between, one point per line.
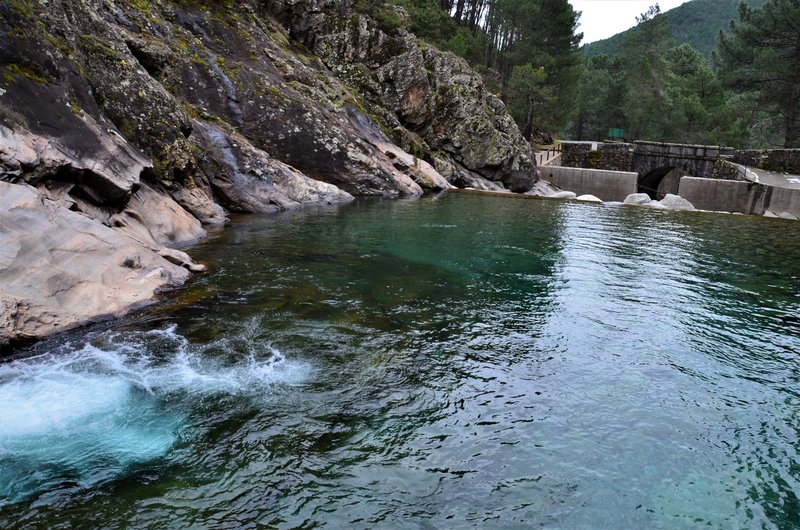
x=126, y=126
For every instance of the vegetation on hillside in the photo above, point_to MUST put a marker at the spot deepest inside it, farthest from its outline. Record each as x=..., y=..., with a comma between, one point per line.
x=696, y=23
x=659, y=90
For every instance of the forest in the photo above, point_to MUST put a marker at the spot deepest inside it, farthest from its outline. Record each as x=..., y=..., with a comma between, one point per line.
x=746, y=94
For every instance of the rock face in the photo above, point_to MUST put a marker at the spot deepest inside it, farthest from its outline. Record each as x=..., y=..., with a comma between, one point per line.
x=432, y=101
x=60, y=268
x=149, y=119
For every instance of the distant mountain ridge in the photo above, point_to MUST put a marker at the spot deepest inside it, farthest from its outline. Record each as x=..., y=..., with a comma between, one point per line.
x=696, y=23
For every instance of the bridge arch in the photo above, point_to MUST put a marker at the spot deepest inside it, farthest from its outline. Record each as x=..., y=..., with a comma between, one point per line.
x=653, y=161
x=658, y=182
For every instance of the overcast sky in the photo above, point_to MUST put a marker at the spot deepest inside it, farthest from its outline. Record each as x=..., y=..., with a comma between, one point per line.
x=604, y=18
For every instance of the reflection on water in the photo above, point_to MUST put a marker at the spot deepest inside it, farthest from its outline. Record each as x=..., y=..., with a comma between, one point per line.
x=454, y=361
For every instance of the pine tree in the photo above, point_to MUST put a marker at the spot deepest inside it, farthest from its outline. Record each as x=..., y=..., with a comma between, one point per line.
x=647, y=103
x=761, y=56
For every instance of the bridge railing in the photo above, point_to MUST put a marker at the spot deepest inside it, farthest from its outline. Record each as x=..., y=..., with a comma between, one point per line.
x=548, y=155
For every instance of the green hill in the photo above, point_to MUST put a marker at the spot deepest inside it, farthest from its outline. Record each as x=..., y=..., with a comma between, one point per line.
x=696, y=23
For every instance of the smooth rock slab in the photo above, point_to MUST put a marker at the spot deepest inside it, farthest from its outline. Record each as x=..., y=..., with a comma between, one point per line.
x=588, y=198
x=542, y=188
x=562, y=195
x=60, y=269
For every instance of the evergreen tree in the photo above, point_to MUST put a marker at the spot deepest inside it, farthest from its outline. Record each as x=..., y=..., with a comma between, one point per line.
x=530, y=99
x=601, y=93
x=647, y=102
x=761, y=57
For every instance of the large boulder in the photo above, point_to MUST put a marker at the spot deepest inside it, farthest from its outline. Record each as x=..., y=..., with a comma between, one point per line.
x=60, y=269
x=247, y=179
x=434, y=99
x=637, y=199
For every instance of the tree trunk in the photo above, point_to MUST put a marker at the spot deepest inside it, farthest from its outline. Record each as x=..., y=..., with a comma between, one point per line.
x=459, y=11
x=791, y=122
x=527, y=129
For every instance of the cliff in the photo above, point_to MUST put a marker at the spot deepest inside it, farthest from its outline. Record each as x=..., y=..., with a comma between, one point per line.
x=125, y=126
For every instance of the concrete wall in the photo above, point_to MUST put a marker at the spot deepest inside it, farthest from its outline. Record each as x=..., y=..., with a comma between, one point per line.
x=783, y=200
x=606, y=185
x=721, y=195
x=738, y=196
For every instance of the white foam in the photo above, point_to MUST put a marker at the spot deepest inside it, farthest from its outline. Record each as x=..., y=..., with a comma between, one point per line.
x=100, y=404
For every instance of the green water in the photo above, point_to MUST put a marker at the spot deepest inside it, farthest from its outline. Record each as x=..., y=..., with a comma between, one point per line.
x=460, y=361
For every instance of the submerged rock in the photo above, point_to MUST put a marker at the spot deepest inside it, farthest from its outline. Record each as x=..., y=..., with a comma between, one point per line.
x=562, y=195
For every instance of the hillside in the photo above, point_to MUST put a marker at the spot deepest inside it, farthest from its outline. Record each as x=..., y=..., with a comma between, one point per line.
x=696, y=23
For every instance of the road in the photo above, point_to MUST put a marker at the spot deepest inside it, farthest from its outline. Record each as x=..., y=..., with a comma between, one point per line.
x=771, y=178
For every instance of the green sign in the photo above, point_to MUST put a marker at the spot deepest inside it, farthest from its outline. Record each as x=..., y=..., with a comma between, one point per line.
x=616, y=134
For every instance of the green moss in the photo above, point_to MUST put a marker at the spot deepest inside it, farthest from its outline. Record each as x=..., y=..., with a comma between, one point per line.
x=76, y=110
x=594, y=159
x=127, y=128
x=18, y=70
x=230, y=68
x=92, y=44
x=26, y=8
x=143, y=6
x=56, y=42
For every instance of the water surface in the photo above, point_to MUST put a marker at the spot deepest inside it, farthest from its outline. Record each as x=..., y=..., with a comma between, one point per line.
x=460, y=361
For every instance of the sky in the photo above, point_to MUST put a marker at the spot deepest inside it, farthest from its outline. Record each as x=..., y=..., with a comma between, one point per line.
x=604, y=18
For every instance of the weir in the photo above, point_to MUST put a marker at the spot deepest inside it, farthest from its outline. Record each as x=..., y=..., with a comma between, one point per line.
x=710, y=177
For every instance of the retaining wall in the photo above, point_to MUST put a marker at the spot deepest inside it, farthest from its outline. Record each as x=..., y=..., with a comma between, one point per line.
x=613, y=156
x=739, y=196
x=603, y=184
x=781, y=160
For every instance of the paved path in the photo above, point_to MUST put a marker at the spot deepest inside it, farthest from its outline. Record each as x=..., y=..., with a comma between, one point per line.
x=771, y=178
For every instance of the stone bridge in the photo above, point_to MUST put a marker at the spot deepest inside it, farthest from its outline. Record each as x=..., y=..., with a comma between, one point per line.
x=660, y=166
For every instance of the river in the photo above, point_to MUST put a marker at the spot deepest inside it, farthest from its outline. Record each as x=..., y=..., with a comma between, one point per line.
x=454, y=361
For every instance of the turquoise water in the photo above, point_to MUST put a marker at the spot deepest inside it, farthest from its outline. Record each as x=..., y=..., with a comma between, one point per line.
x=458, y=361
